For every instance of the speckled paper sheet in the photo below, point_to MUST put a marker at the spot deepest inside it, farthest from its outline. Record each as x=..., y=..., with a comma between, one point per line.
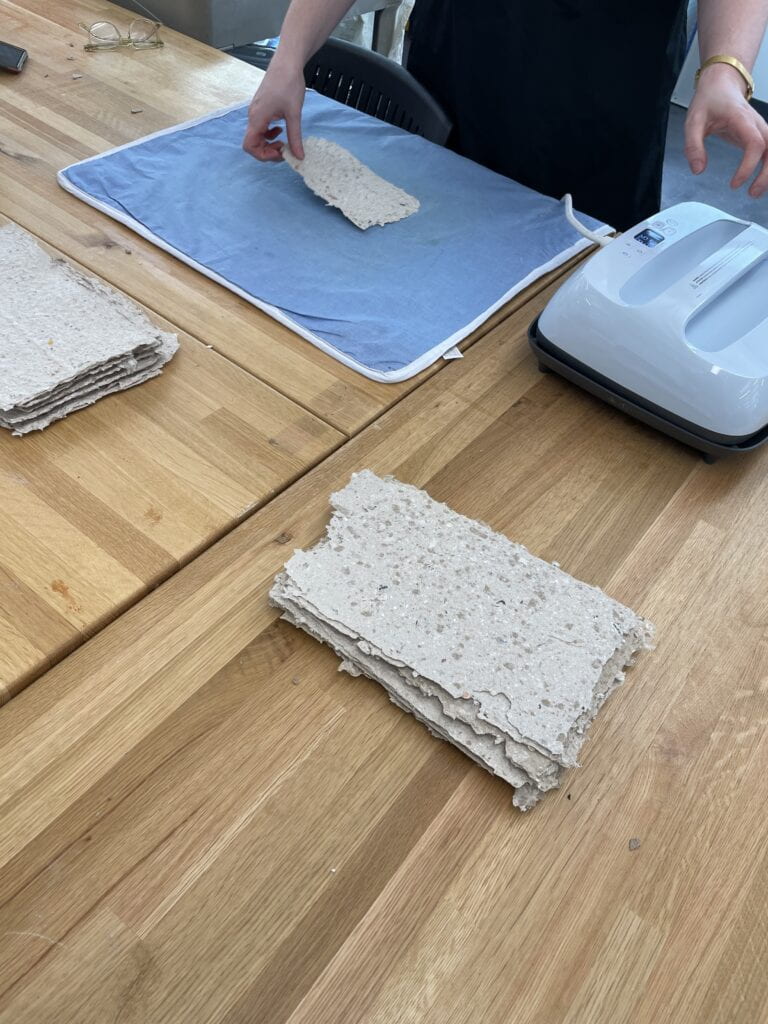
x=337, y=176
x=497, y=651
x=66, y=339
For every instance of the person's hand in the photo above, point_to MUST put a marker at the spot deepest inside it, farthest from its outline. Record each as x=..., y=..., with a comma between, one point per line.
x=280, y=97
x=719, y=108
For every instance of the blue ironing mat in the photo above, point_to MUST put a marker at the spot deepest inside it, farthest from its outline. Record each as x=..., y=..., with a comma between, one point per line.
x=386, y=301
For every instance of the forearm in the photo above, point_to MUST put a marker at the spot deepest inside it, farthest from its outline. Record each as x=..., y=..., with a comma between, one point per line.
x=732, y=27
x=307, y=25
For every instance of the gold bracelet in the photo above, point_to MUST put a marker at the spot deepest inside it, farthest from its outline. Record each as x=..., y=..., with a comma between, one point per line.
x=734, y=62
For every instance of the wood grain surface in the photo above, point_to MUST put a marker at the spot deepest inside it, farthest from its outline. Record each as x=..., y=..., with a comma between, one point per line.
x=48, y=120
x=107, y=503
x=110, y=503
x=202, y=820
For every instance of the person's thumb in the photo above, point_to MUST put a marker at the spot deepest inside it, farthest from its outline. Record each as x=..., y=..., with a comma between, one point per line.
x=293, y=129
x=695, y=151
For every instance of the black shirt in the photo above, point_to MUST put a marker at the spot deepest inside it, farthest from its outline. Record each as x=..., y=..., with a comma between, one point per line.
x=561, y=95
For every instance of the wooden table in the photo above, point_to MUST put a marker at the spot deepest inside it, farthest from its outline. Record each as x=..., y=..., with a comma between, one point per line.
x=49, y=120
x=202, y=820
x=107, y=505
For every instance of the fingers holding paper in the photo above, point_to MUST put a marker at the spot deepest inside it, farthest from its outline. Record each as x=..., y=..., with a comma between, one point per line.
x=279, y=98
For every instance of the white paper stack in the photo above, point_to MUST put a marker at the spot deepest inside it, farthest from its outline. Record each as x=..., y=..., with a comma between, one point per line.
x=496, y=651
x=66, y=339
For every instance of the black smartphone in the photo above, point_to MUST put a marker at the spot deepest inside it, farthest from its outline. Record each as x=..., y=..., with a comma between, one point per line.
x=12, y=58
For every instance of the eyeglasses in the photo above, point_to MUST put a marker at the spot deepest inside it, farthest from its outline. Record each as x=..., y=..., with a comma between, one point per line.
x=142, y=35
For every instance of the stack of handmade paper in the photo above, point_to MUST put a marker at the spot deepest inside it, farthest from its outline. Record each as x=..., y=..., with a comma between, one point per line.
x=502, y=654
x=66, y=339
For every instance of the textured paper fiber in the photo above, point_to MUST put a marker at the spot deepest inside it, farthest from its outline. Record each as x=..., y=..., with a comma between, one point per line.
x=501, y=653
x=339, y=178
x=66, y=339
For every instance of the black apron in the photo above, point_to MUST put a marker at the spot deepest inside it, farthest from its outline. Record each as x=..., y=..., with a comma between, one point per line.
x=560, y=95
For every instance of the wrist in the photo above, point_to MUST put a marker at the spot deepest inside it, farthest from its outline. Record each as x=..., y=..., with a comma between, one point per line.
x=722, y=75
x=287, y=62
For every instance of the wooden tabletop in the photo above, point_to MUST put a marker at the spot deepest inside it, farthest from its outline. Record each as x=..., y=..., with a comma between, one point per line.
x=202, y=820
x=49, y=120
x=109, y=502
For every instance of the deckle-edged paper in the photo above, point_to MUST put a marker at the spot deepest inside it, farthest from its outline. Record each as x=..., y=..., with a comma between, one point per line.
x=66, y=339
x=501, y=653
x=343, y=181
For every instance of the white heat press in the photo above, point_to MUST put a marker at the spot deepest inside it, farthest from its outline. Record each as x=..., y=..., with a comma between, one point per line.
x=669, y=323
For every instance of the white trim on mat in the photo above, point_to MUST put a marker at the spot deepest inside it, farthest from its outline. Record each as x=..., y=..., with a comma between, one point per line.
x=386, y=377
